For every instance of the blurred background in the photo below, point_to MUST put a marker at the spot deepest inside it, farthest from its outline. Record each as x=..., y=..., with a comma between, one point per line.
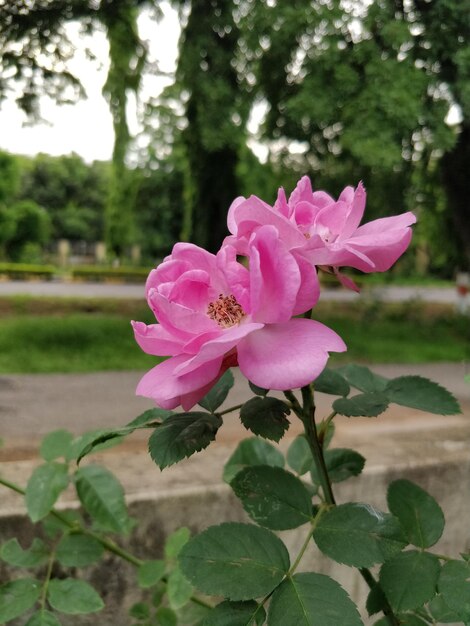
x=126, y=125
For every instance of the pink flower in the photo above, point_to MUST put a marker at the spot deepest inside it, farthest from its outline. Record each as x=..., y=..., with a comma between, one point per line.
x=326, y=231
x=214, y=312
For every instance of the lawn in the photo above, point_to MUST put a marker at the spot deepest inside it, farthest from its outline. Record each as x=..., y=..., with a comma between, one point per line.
x=40, y=335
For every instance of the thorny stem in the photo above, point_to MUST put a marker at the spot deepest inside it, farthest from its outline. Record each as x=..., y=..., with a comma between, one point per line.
x=107, y=544
x=308, y=419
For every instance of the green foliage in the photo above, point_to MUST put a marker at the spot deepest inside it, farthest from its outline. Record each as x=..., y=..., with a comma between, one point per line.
x=454, y=587
x=175, y=543
x=332, y=382
x=16, y=597
x=218, y=393
x=78, y=550
x=235, y=614
x=266, y=417
x=420, y=515
x=45, y=485
x=237, y=561
x=56, y=444
x=102, y=496
x=365, y=404
x=358, y=535
x=181, y=436
x=363, y=378
x=341, y=464
x=252, y=451
x=150, y=573
x=310, y=599
x=409, y=579
x=11, y=552
x=43, y=617
x=299, y=455
x=420, y=393
x=32, y=226
x=273, y=497
x=74, y=597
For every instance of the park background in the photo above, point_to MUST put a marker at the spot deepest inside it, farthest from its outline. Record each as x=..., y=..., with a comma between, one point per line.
x=127, y=125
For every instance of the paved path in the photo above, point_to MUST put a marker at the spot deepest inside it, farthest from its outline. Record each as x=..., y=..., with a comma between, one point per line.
x=444, y=295
x=32, y=405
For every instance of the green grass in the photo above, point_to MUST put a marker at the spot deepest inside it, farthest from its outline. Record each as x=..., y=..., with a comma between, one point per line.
x=80, y=335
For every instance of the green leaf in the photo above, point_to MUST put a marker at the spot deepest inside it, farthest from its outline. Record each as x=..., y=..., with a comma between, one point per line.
x=329, y=434
x=53, y=526
x=312, y=600
x=179, y=590
x=421, y=393
x=73, y=596
x=181, y=436
x=175, y=542
x=362, y=378
x=299, y=455
x=95, y=440
x=238, y=561
x=45, y=485
x=442, y=613
x=376, y=600
x=149, y=416
x=12, y=553
x=17, y=597
x=419, y=514
x=56, y=444
x=78, y=550
x=359, y=535
x=102, y=496
x=259, y=391
x=332, y=382
x=364, y=404
x=273, y=497
x=166, y=617
x=409, y=579
x=235, y=614
x=265, y=417
x=408, y=619
x=140, y=611
x=454, y=586
x=252, y=451
x=43, y=618
x=341, y=464
x=150, y=572
x=218, y=393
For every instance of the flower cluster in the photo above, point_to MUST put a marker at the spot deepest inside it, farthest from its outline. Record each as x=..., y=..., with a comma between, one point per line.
x=240, y=306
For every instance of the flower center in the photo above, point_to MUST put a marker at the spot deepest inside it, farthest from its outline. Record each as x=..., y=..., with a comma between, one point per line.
x=225, y=311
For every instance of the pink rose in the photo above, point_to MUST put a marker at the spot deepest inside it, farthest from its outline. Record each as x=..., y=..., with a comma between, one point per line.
x=214, y=312
x=326, y=231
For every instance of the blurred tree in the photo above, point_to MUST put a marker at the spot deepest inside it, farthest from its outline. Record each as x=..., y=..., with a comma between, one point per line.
x=35, y=48
x=9, y=177
x=73, y=193
x=215, y=111
x=366, y=89
x=33, y=226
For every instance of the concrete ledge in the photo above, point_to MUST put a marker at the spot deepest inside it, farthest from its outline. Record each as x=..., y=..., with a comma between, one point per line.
x=430, y=450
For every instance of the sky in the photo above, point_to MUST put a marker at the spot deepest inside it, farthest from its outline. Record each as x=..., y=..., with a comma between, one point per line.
x=86, y=127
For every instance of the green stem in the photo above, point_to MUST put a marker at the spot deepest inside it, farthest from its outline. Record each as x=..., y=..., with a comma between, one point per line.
x=45, y=587
x=306, y=543
x=308, y=418
x=230, y=410
x=107, y=544
x=294, y=402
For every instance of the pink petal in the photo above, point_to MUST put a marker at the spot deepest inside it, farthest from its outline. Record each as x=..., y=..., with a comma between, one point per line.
x=154, y=339
x=346, y=281
x=357, y=204
x=309, y=290
x=274, y=277
x=179, y=320
x=253, y=213
x=281, y=205
x=384, y=226
x=193, y=290
x=289, y=355
x=302, y=191
x=167, y=389
x=218, y=346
